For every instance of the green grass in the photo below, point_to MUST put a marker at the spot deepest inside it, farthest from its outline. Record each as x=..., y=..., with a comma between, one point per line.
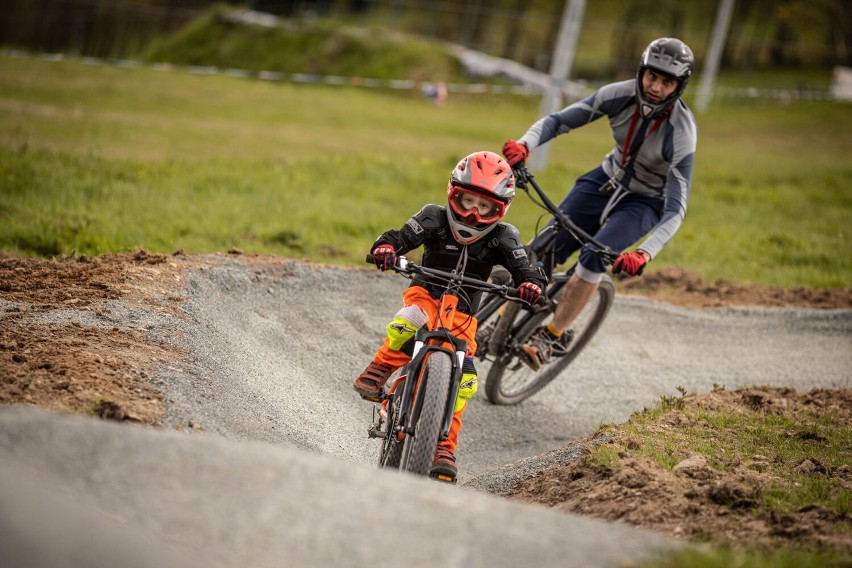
x=728, y=557
x=771, y=443
x=729, y=440
x=104, y=159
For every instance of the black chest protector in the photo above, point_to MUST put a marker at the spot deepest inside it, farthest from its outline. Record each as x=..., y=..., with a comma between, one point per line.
x=445, y=253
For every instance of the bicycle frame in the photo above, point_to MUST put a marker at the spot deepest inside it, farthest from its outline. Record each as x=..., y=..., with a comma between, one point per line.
x=508, y=380
x=524, y=178
x=403, y=405
x=541, y=244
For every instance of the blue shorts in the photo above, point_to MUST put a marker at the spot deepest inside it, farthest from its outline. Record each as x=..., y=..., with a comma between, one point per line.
x=630, y=219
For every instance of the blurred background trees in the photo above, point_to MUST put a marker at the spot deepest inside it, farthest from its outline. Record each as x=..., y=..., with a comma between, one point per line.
x=763, y=34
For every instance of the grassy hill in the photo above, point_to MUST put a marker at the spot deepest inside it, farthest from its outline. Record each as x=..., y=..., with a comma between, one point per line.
x=320, y=47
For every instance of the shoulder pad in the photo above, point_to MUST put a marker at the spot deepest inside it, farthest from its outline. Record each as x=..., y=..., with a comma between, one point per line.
x=427, y=223
x=507, y=236
x=431, y=217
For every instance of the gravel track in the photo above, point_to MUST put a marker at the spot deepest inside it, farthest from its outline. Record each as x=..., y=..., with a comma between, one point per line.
x=285, y=469
x=280, y=352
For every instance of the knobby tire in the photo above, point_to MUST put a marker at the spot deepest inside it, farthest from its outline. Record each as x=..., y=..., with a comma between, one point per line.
x=419, y=447
x=510, y=381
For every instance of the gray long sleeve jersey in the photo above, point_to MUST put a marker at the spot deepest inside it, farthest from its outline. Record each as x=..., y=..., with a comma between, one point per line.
x=663, y=164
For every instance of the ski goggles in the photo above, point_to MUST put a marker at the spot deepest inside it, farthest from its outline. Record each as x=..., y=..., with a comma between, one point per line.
x=467, y=203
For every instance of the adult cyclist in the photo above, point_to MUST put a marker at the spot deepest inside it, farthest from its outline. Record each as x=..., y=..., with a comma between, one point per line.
x=640, y=189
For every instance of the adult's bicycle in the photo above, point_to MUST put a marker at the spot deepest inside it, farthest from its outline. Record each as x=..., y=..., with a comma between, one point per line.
x=505, y=327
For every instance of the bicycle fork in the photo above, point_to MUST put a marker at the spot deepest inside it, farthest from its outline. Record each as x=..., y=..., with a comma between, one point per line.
x=410, y=403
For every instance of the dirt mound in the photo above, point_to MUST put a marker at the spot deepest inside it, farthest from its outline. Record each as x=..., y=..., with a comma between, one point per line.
x=696, y=501
x=684, y=288
x=63, y=365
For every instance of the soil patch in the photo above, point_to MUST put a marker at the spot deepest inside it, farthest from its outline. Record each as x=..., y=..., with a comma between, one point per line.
x=684, y=288
x=63, y=365
x=697, y=502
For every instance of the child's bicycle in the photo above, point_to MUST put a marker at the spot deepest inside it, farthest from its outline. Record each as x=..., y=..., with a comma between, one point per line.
x=504, y=327
x=415, y=412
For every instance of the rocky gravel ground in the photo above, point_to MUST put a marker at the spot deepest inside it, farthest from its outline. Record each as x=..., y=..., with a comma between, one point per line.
x=263, y=349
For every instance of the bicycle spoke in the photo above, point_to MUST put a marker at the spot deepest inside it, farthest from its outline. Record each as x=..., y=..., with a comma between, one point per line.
x=510, y=381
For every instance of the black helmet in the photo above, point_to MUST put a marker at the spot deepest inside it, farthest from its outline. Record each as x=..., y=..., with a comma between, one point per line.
x=667, y=56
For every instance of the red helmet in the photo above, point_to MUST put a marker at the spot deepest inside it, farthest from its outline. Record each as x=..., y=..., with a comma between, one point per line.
x=481, y=188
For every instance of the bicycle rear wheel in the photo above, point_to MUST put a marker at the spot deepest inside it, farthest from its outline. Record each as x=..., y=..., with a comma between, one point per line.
x=509, y=381
x=419, y=446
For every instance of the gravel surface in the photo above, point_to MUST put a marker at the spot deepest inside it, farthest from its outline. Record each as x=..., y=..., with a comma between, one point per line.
x=278, y=350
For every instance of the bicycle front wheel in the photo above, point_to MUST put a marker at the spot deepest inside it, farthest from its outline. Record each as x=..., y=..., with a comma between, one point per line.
x=509, y=381
x=419, y=446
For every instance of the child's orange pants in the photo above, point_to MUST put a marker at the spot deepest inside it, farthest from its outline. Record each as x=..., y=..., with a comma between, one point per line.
x=463, y=326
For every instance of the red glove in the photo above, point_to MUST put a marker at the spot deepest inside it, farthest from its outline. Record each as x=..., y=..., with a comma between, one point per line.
x=384, y=256
x=633, y=263
x=529, y=292
x=515, y=152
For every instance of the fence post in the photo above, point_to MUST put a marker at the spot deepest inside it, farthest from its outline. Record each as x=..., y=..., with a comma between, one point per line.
x=714, y=54
x=563, y=58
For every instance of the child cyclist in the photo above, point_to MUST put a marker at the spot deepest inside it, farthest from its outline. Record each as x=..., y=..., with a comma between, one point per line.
x=466, y=235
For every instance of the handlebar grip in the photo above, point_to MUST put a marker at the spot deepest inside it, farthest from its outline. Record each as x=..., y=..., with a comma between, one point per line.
x=513, y=293
x=402, y=264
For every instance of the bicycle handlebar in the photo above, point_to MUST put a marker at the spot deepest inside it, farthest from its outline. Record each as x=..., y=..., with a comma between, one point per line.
x=524, y=176
x=407, y=267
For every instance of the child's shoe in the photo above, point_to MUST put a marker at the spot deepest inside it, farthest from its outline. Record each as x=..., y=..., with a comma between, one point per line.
x=369, y=383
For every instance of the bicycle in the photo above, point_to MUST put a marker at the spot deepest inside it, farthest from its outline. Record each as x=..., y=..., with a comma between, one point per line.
x=412, y=416
x=509, y=380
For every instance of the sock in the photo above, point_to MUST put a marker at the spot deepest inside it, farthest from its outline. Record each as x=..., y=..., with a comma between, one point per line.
x=553, y=331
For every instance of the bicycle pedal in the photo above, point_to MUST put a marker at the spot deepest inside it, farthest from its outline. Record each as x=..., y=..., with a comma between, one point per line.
x=379, y=397
x=531, y=360
x=444, y=478
x=375, y=432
